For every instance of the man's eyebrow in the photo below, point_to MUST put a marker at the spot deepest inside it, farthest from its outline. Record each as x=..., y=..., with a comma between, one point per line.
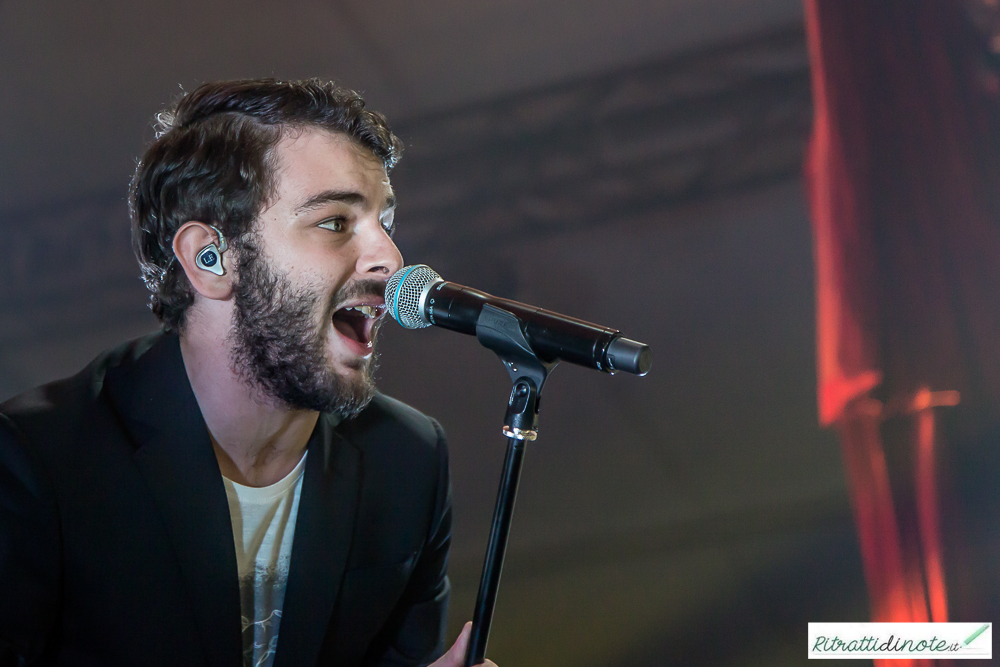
x=329, y=197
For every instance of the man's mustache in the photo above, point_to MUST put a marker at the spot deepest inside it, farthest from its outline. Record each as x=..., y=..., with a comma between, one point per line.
x=357, y=289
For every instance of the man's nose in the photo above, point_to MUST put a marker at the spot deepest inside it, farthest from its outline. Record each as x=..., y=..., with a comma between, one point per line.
x=379, y=257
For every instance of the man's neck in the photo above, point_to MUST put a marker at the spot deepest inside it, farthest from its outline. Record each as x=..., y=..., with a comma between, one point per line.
x=257, y=442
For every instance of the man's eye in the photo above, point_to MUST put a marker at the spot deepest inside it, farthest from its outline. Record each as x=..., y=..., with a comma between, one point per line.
x=389, y=222
x=333, y=224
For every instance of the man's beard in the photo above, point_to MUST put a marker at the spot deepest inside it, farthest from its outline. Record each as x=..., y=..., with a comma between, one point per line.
x=277, y=347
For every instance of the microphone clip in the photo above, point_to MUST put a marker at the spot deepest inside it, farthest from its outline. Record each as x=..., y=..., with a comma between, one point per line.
x=500, y=331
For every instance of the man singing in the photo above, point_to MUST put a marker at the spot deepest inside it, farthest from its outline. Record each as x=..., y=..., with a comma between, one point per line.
x=233, y=488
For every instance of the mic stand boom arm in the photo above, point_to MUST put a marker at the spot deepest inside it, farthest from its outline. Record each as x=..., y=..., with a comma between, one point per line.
x=501, y=331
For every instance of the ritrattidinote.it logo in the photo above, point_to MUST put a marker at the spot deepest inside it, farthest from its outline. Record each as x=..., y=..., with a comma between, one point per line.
x=865, y=641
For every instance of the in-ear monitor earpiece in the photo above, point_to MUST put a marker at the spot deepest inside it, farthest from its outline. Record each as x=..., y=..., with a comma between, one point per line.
x=209, y=258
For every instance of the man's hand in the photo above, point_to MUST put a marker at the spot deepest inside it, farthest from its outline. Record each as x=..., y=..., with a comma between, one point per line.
x=455, y=657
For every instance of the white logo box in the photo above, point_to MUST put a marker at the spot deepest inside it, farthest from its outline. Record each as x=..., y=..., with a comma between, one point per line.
x=864, y=641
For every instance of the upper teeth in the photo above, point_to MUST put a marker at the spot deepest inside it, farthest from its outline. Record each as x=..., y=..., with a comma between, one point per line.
x=367, y=311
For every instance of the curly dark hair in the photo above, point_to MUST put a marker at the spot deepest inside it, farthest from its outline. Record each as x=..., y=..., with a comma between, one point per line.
x=212, y=160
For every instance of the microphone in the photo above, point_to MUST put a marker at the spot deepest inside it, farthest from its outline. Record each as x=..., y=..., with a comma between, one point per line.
x=417, y=297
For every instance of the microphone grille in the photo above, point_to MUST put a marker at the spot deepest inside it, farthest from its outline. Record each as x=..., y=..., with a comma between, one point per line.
x=403, y=294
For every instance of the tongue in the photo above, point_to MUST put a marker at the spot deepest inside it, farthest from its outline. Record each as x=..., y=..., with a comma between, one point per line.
x=350, y=324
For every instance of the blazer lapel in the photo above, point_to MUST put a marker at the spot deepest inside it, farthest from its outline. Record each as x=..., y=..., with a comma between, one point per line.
x=323, y=529
x=174, y=454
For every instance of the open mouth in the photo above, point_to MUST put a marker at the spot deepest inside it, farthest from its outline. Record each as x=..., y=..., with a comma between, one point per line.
x=356, y=323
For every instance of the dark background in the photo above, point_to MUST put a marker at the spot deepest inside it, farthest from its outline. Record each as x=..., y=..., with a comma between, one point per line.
x=636, y=164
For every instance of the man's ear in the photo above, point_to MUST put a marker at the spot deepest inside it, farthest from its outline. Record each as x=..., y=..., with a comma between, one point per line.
x=201, y=251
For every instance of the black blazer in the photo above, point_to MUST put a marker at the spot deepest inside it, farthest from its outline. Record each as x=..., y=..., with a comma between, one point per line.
x=116, y=546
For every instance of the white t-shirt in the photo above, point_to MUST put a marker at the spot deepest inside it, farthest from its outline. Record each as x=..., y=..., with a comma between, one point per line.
x=263, y=527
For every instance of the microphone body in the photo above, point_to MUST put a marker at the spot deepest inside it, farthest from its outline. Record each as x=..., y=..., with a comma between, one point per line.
x=552, y=336
x=421, y=292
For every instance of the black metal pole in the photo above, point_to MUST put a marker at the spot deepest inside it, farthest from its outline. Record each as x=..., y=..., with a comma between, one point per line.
x=495, y=549
x=501, y=332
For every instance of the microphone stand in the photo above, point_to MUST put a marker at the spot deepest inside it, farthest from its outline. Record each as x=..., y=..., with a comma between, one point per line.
x=500, y=331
